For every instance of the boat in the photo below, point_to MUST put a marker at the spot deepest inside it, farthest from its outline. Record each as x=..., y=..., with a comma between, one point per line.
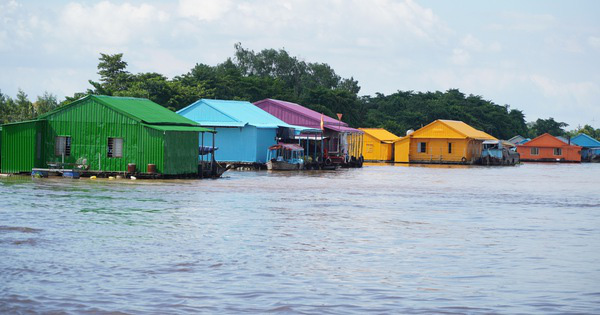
x=210, y=168
x=497, y=152
x=285, y=157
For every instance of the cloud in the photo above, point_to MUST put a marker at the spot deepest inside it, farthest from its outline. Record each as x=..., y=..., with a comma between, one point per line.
x=526, y=22
x=460, y=57
x=384, y=22
x=594, y=41
x=204, y=10
x=582, y=92
x=107, y=24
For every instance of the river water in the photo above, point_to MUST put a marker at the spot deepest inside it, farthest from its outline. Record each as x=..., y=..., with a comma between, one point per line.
x=381, y=239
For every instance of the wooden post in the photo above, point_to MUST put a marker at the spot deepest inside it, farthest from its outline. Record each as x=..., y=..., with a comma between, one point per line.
x=213, y=154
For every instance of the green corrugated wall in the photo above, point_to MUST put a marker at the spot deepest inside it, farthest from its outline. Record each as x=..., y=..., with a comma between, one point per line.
x=19, y=150
x=181, y=152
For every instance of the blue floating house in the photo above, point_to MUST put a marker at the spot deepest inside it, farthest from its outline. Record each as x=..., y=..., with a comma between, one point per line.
x=245, y=132
x=590, y=147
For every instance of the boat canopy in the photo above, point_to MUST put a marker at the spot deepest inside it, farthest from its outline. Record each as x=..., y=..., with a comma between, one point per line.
x=286, y=146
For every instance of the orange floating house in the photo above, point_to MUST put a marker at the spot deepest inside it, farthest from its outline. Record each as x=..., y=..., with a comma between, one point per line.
x=547, y=148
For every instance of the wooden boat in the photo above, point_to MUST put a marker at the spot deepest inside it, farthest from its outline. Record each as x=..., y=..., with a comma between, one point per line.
x=285, y=157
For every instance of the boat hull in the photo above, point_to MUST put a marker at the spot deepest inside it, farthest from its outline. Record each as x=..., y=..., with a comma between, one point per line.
x=284, y=166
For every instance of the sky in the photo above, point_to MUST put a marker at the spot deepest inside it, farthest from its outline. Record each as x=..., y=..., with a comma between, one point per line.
x=541, y=57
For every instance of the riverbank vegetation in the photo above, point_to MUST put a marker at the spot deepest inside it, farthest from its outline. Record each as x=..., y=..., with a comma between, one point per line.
x=272, y=73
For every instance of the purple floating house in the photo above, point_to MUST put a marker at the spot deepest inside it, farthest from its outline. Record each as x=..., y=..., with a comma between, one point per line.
x=339, y=145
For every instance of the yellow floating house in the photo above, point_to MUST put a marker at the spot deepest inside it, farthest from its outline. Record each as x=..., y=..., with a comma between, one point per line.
x=442, y=141
x=378, y=144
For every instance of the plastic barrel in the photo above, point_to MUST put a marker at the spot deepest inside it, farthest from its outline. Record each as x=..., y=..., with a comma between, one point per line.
x=151, y=168
x=131, y=168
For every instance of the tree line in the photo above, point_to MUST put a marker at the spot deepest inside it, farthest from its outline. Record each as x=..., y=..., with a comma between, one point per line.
x=271, y=73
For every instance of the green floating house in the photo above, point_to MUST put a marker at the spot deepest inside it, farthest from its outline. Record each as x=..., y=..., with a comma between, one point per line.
x=104, y=134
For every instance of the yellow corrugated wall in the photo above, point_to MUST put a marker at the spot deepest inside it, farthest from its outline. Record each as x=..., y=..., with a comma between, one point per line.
x=437, y=150
x=383, y=151
x=402, y=150
x=371, y=148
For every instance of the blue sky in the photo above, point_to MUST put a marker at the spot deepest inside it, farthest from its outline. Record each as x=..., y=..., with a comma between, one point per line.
x=541, y=57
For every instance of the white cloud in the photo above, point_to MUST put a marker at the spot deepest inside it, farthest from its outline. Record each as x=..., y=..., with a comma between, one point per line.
x=594, y=41
x=527, y=22
x=107, y=24
x=460, y=57
x=472, y=43
x=583, y=92
x=204, y=10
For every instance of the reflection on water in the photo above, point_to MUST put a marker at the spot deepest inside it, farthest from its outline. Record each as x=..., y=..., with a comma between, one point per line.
x=382, y=239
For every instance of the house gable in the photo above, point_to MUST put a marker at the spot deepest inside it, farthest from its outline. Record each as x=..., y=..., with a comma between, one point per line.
x=545, y=140
x=437, y=130
x=137, y=109
x=380, y=134
x=79, y=112
x=207, y=115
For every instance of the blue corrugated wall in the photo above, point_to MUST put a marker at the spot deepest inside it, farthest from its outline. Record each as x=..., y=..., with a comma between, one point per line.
x=265, y=138
x=248, y=144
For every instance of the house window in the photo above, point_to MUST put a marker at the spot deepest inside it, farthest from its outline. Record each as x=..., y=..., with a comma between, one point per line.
x=535, y=151
x=422, y=147
x=557, y=151
x=62, y=146
x=115, y=147
x=449, y=147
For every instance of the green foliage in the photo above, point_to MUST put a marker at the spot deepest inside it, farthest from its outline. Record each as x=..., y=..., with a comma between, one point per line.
x=541, y=126
x=406, y=110
x=113, y=76
x=21, y=108
x=7, y=109
x=587, y=129
x=45, y=103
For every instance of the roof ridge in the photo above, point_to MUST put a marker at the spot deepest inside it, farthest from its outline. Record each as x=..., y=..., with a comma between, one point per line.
x=205, y=101
x=301, y=113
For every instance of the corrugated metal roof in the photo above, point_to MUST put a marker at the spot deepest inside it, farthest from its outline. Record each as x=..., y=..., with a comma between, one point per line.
x=449, y=129
x=208, y=112
x=467, y=130
x=516, y=139
x=139, y=109
x=546, y=140
x=296, y=114
x=179, y=128
x=380, y=134
x=21, y=122
x=144, y=109
x=307, y=112
x=585, y=141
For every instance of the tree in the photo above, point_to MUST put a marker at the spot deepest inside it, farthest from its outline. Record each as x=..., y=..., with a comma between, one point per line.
x=6, y=109
x=587, y=129
x=549, y=125
x=24, y=107
x=113, y=76
x=45, y=103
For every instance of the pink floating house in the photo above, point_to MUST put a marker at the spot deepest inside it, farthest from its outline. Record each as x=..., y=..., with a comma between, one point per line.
x=339, y=145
